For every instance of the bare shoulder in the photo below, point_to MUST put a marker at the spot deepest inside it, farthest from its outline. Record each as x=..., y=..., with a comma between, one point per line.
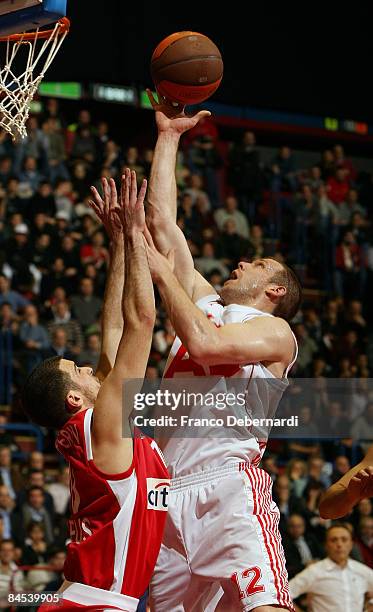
x=276, y=332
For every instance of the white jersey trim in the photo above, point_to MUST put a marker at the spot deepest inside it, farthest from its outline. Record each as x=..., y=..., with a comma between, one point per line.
x=87, y=595
x=122, y=526
x=87, y=433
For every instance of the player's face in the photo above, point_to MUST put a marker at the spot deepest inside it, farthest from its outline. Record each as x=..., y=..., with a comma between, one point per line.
x=83, y=377
x=338, y=544
x=249, y=280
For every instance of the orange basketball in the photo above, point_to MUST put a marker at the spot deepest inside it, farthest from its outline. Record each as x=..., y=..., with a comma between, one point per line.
x=186, y=67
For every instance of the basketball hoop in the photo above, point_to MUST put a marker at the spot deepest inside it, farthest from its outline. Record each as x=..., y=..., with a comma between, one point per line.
x=39, y=49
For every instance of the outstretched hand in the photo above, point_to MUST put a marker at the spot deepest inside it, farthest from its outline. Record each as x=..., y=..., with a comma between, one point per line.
x=361, y=485
x=132, y=211
x=159, y=265
x=107, y=208
x=172, y=119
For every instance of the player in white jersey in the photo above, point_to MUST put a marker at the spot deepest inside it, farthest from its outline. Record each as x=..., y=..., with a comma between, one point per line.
x=222, y=529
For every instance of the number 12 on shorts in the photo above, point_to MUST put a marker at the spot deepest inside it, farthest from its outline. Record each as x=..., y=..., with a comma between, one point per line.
x=248, y=582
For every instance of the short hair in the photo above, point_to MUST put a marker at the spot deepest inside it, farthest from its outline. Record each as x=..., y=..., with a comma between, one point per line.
x=345, y=526
x=33, y=524
x=44, y=393
x=289, y=303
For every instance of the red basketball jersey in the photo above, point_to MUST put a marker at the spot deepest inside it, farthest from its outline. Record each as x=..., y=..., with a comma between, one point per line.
x=117, y=520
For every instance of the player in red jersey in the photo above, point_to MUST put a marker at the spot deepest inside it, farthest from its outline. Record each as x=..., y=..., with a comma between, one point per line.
x=119, y=484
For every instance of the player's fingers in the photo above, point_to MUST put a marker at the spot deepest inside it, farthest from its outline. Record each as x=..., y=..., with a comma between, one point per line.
x=142, y=192
x=152, y=99
x=369, y=470
x=113, y=194
x=94, y=207
x=127, y=187
x=202, y=114
x=96, y=196
x=106, y=190
x=133, y=188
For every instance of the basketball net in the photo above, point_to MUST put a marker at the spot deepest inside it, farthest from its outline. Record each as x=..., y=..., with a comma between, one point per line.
x=39, y=49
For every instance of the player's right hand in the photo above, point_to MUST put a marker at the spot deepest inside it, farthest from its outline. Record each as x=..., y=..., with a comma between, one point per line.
x=172, y=119
x=132, y=212
x=106, y=208
x=361, y=485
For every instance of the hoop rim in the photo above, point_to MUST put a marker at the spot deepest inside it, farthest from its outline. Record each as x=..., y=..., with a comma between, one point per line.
x=64, y=24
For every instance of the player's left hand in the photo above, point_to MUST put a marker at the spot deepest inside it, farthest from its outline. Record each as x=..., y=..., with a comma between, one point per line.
x=172, y=119
x=159, y=265
x=106, y=208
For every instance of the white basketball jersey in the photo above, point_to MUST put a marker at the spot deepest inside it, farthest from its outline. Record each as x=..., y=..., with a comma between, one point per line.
x=206, y=450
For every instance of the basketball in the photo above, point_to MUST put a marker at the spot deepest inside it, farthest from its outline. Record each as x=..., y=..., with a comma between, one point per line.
x=186, y=67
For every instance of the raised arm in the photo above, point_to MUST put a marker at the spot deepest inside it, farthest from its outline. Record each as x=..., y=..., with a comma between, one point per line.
x=162, y=194
x=344, y=494
x=106, y=209
x=112, y=451
x=234, y=343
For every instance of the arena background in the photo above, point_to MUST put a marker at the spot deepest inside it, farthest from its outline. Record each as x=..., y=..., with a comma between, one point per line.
x=304, y=62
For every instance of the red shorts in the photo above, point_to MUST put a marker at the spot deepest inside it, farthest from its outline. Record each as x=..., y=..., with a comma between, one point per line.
x=80, y=596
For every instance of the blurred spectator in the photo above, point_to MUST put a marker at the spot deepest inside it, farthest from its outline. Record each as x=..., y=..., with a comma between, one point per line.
x=60, y=491
x=231, y=247
x=9, y=474
x=230, y=211
x=91, y=354
x=208, y=262
x=337, y=582
x=86, y=307
x=6, y=509
x=301, y=549
x=11, y=578
x=32, y=510
x=287, y=502
x=338, y=186
x=56, y=561
x=62, y=320
x=35, y=549
x=245, y=173
x=34, y=338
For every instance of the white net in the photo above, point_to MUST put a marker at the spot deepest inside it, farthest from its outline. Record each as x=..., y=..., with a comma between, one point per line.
x=17, y=91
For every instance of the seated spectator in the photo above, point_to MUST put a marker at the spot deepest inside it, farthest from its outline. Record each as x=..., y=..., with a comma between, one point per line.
x=56, y=277
x=9, y=473
x=63, y=197
x=306, y=444
x=231, y=247
x=91, y=354
x=307, y=349
x=297, y=473
x=341, y=467
x=338, y=186
x=70, y=254
x=195, y=189
x=310, y=510
x=86, y=307
x=362, y=428
x=341, y=161
x=30, y=175
x=245, y=174
x=60, y=491
x=32, y=510
x=204, y=159
x=95, y=252
x=34, y=338
x=284, y=171
x=301, y=548
x=364, y=540
x=43, y=201
x=36, y=478
x=230, y=211
x=19, y=252
x=84, y=147
x=55, y=149
x=208, y=262
x=287, y=503
x=11, y=578
x=56, y=561
x=6, y=509
x=35, y=548
x=62, y=319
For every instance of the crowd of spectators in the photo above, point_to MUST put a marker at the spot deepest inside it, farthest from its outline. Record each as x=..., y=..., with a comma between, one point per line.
x=231, y=206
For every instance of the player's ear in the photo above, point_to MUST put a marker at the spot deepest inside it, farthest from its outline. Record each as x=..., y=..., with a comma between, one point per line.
x=73, y=401
x=274, y=292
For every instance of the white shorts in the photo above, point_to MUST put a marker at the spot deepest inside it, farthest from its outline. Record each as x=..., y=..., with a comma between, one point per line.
x=221, y=531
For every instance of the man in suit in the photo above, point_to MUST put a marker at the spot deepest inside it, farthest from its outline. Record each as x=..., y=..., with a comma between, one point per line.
x=301, y=549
